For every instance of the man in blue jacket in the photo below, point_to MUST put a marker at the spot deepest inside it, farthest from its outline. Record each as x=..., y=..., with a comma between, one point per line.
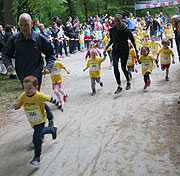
x=24, y=46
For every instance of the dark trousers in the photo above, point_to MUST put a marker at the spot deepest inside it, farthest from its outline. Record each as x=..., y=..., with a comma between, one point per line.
x=171, y=41
x=39, y=132
x=87, y=43
x=56, y=47
x=124, y=57
x=71, y=46
x=77, y=41
x=146, y=77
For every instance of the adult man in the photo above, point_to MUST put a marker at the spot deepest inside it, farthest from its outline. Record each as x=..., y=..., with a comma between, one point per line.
x=119, y=35
x=131, y=22
x=154, y=25
x=24, y=46
x=71, y=34
x=162, y=17
x=76, y=25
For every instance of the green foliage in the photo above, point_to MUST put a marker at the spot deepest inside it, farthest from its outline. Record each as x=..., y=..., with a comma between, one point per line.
x=45, y=10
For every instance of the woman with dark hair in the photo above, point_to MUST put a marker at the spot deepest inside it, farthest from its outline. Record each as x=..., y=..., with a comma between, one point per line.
x=119, y=35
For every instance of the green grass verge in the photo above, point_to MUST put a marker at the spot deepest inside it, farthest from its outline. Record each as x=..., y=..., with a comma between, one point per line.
x=10, y=89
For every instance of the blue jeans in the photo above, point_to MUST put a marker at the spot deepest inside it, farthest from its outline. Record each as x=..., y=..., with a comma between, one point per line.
x=39, y=132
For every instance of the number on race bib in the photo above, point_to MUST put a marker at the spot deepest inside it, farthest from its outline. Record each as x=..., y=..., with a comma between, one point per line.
x=147, y=65
x=55, y=71
x=94, y=67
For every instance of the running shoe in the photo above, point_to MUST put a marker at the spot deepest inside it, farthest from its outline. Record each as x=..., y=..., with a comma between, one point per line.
x=148, y=83
x=65, y=97
x=61, y=56
x=68, y=55
x=101, y=84
x=128, y=87
x=35, y=161
x=119, y=90
x=167, y=78
x=145, y=86
x=54, y=133
x=93, y=92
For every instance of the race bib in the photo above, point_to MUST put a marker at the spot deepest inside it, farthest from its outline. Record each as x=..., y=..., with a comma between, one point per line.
x=169, y=34
x=55, y=70
x=129, y=60
x=147, y=64
x=165, y=58
x=94, y=67
x=153, y=48
x=33, y=113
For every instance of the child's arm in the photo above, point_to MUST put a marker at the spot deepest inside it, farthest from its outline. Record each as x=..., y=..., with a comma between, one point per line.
x=57, y=103
x=67, y=71
x=85, y=68
x=173, y=61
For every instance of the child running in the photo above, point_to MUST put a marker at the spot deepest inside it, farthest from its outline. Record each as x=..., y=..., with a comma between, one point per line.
x=33, y=102
x=109, y=50
x=146, y=41
x=154, y=46
x=81, y=40
x=166, y=54
x=94, y=63
x=92, y=45
x=169, y=34
x=56, y=77
x=146, y=60
x=131, y=60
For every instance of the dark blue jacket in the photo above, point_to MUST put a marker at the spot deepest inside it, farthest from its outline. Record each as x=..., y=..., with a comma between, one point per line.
x=28, y=60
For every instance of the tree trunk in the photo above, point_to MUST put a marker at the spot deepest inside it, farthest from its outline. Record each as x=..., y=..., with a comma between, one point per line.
x=8, y=14
x=86, y=11
x=98, y=8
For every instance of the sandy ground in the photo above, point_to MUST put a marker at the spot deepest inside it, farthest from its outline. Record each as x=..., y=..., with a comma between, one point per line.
x=136, y=133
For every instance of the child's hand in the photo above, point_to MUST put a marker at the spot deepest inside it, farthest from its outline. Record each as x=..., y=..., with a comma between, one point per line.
x=15, y=105
x=83, y=70
x=173, y=61
x=68, y=72
x=157, y=65
x=104, y=54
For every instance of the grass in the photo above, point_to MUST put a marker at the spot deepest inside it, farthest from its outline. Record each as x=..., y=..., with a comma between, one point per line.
x=10, y=89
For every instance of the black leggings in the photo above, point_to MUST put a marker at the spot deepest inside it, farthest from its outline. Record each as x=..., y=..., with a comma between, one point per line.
x=124, y=57
x=146, y=77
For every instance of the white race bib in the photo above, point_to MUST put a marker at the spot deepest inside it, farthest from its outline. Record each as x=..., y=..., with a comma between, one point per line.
x=33, y=113
x=147, y=64
x=153, y=48
x=169, y=34
x=55, y=70
x=94, y=67
x=165, y=58
x=129, y=61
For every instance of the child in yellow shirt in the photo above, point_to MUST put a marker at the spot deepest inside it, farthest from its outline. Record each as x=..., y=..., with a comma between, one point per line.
x=166, y=54
x=81, y=40
x=131, y=60
x=94, y=65
x=146, y=41
x=33, y=102
x=146, y=60
x=169, y=34
x=109, y=50
x=56, y=77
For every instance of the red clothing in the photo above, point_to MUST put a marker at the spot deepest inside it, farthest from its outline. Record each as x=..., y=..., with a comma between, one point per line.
x=88, y=53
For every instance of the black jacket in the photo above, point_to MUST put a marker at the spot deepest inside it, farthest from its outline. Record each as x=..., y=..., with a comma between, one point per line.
x=153, y=25
x=119, y=39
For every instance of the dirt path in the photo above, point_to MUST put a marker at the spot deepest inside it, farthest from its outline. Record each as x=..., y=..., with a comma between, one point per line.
x=136, y=133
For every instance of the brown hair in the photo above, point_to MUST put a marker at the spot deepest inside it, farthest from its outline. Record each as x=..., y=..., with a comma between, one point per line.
x=31, y=79
x=165, y=41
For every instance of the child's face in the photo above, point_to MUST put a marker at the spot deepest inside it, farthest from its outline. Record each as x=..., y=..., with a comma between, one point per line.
x=153, y=39
x=146, y=38
x=93, y=55
x=108, y=36
x=168, y=27
x=91, y=45
x=29, y=88
x=165, y=45
x=144, y=52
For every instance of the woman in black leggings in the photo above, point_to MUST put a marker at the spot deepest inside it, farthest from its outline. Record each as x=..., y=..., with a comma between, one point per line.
x=119, y=35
